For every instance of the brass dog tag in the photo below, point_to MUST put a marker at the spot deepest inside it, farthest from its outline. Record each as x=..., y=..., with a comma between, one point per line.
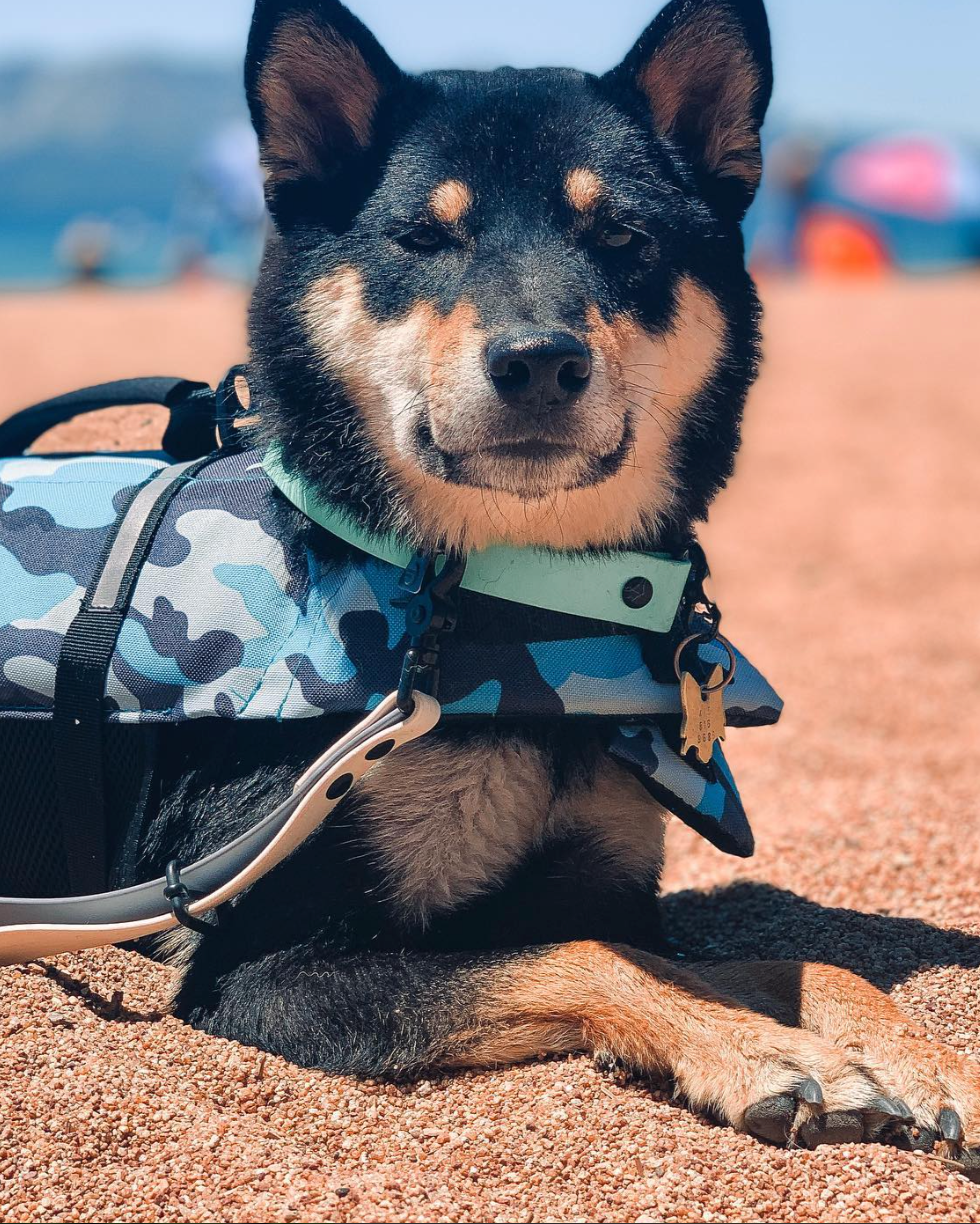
x=703, y=721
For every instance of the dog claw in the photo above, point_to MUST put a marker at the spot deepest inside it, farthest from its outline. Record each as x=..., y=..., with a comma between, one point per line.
x=950, y=1126
x=893, y=1107
x=798, y=1117
x=811, y=1092
x=887, y=1120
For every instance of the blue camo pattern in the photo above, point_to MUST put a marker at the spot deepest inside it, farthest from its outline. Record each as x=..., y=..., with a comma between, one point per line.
x=227, y=622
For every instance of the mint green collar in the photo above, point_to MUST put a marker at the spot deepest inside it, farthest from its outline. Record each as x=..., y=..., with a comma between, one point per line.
x=589, y=585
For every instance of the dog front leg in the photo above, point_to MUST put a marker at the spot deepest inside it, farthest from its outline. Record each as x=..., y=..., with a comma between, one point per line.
x=404, y=1015
x=660, y=1019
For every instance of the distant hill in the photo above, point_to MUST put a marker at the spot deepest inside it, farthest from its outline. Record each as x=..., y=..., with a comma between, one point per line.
x=107, y=140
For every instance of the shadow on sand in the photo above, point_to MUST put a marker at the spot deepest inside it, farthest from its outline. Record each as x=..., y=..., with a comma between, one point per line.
x=751, y=921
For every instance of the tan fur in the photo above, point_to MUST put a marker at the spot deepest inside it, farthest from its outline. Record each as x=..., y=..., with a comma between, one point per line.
x=628, y=825
x=450, y=201
x=312, y=80
x=455, y=344
x=703, y=77
x=449, y=822
x=583, y=188
x=176, y=949
x=424, y=366
x=655, y=1017
x=176, y=946
x=856, y=1016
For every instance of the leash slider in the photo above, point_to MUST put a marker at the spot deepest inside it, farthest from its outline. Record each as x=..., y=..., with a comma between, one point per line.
x=429, y=613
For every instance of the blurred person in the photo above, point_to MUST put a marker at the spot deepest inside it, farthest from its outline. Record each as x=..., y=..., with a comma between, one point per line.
x=85, y=248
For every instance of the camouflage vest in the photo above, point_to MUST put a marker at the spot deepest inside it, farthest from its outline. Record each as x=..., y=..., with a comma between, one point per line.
x=227, y=620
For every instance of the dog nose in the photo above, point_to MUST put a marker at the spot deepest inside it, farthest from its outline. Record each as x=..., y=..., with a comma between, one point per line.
x=538, y=370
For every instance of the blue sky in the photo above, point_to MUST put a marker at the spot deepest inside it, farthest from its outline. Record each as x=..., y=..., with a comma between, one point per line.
x=854, y=62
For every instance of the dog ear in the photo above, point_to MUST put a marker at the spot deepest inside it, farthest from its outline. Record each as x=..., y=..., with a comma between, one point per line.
x=703, y=69
x=314, y=78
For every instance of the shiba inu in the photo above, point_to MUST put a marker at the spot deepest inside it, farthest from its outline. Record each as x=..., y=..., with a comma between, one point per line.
x=511, y=307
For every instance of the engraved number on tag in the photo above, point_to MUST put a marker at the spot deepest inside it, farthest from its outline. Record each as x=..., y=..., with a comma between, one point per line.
x=703, y=714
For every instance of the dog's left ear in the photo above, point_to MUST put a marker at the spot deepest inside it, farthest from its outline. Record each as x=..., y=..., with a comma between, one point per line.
x=703, y=68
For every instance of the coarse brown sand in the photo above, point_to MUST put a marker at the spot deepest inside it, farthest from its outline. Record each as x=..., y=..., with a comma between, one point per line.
x=847, y=557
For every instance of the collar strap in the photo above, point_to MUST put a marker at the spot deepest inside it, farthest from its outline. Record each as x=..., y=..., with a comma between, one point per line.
x=636, y=589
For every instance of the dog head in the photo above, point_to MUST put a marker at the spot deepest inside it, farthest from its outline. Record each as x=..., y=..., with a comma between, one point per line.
x=510, y=305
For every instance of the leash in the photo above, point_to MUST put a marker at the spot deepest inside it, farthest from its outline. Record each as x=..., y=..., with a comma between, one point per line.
x=31, y=927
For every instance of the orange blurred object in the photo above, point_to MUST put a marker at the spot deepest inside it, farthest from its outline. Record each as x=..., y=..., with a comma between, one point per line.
x=837, y=243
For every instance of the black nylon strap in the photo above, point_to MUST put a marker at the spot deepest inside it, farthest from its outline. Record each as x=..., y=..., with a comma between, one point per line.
x=189, y=434
x=80, y=681
x=78, y=734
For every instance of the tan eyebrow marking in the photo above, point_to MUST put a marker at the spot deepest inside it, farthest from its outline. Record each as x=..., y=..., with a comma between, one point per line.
x=450, y=200
x=583, y=188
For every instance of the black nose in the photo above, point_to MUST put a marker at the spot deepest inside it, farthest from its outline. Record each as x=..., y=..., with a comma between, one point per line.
x=538, y=370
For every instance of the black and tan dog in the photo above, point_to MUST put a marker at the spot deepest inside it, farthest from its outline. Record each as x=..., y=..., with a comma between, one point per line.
x=512, y=306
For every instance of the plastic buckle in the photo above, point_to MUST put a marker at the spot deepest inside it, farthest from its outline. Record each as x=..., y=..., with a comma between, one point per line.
x=698, y=623
x=702, y=616
x=190, y=431
x=178, y=894
x=429, y=613
x=233, y=409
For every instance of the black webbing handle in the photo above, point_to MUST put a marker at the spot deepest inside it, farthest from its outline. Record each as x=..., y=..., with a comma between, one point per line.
x=189, y=433
x=83, y=668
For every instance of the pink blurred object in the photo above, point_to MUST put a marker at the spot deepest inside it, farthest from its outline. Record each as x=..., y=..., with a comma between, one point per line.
x=925, y=177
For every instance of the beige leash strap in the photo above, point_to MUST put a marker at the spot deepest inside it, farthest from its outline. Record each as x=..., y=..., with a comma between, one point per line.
x=44, y=926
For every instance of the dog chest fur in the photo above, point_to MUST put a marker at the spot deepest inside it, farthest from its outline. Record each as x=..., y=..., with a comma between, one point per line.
x=447, y=822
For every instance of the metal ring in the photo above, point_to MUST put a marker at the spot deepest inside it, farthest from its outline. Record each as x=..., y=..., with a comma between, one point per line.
x=732, y=660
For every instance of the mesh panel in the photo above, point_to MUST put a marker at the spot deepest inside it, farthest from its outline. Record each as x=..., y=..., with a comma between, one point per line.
x=32, y=858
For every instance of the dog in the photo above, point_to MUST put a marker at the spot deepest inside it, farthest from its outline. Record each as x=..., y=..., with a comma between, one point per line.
x=512, y=307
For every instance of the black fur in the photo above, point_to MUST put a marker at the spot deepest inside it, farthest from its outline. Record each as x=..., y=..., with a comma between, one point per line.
x=513, y=135
x=313, y=962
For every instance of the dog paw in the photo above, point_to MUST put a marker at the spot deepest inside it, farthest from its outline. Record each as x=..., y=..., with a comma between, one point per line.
x=792, y=1088
x=941, y=1090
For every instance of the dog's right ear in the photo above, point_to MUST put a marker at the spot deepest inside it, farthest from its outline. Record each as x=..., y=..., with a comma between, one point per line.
x=314, y=78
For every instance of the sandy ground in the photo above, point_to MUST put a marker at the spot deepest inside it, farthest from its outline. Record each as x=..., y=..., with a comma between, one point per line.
x=846, y=556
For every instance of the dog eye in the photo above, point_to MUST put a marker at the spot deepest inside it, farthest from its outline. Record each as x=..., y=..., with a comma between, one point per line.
x=421, y=238
x=615, y=236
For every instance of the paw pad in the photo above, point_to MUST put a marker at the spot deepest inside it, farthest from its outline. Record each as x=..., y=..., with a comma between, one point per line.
x=798, y=1117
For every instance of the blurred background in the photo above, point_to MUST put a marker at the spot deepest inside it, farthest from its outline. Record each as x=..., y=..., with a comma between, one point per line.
x=126, y=154
x=131, y=213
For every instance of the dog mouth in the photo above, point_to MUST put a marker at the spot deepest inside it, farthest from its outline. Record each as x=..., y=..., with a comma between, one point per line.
x=532, y=450
x=530, y=467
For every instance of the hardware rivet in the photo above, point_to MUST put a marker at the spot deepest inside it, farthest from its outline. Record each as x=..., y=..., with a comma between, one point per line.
x=637, y=592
